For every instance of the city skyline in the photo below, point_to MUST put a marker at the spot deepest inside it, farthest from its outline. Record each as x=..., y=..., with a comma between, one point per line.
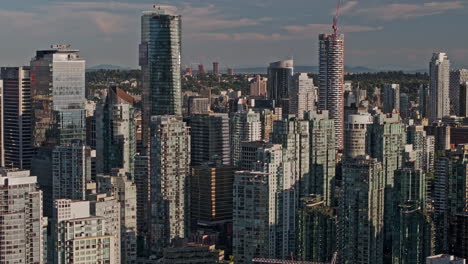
x=236, y=34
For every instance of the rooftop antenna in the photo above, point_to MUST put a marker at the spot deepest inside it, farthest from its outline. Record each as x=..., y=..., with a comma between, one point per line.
x=335, y=19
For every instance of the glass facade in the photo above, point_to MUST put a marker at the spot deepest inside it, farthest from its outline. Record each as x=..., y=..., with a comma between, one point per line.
x=58, y=95
x=160, y=61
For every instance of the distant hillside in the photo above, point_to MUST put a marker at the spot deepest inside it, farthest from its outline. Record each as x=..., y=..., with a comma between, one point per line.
x=313, y=69
x=107, y=67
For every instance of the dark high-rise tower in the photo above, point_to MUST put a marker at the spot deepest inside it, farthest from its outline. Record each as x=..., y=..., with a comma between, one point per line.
x=280, y=75
x=160, y=61
x=331, y=81
x=17, y=133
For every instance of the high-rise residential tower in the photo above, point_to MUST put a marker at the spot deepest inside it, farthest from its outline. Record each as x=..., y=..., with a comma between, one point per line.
x=391, y=98
x=16, y=111
x=439, y=86
x=361, y=211
x=160, y=61
x=322, y=156
x=279, y=81
x=331, y=81
x=58, y=96
x=21, y=222
x=115, y=133
x=170, y=169
x=302, y=95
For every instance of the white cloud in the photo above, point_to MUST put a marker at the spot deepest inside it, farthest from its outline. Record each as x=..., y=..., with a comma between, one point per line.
x=405, y=11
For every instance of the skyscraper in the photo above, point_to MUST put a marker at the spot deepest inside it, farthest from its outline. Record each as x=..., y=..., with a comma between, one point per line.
x=258, y=86
x=16, y=111
x=331, y=81
x=115, y=133
x=391, y=98
x=279, y=81
x=439, y=86
x=251, y=216
x=302, y=95
x=71, y=170
x=160, y=61
x=210, y=139
x=243, y=127
x=170, y=169
x=21, y=221
x=464, y=100
x=215, y=68
x=322, y=156
x=361, y=212
x=457, y=78
x=357, y=135
x=58, y=96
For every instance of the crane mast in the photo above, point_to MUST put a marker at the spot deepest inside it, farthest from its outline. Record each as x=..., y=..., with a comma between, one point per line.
x=335, y=19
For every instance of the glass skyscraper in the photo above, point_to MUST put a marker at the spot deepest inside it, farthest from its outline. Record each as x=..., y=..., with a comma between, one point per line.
x=58, y=95
x=160, y=61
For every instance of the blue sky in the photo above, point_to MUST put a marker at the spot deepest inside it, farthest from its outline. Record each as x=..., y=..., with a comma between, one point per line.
x=379, y=33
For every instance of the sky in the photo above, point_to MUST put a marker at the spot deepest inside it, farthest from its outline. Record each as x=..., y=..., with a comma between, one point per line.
x=382, y=34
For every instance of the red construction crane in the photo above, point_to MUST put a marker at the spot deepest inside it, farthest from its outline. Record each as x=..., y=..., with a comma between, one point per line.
x=335, y=19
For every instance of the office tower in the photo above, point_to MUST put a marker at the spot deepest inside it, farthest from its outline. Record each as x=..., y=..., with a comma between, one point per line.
x=411, y=232
x=109, y=208
x=331, y=81
x=58, y=96
x=439, y=86
x=16, y=113
x=244, y=126
x=444, y=259
x=316, y=230
x=258, y=86
x=463, y=106
x=322, y=156
x=115, y=133
x=211, y=195
x=423, y=100
x=404, y=105
x=230, y=71
x=21, y=221
x=198, y=105
x=251, y=217
x=280, y=74
x=356, y=135
x=170, y=169
x=450, y=195
x=210, y=139
x=71, y=170
x=80, y=237
x=457, y=78
x=123, y=190
x=302, y=95
x=391, y=95
x=361, y=211
x=160, y=61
